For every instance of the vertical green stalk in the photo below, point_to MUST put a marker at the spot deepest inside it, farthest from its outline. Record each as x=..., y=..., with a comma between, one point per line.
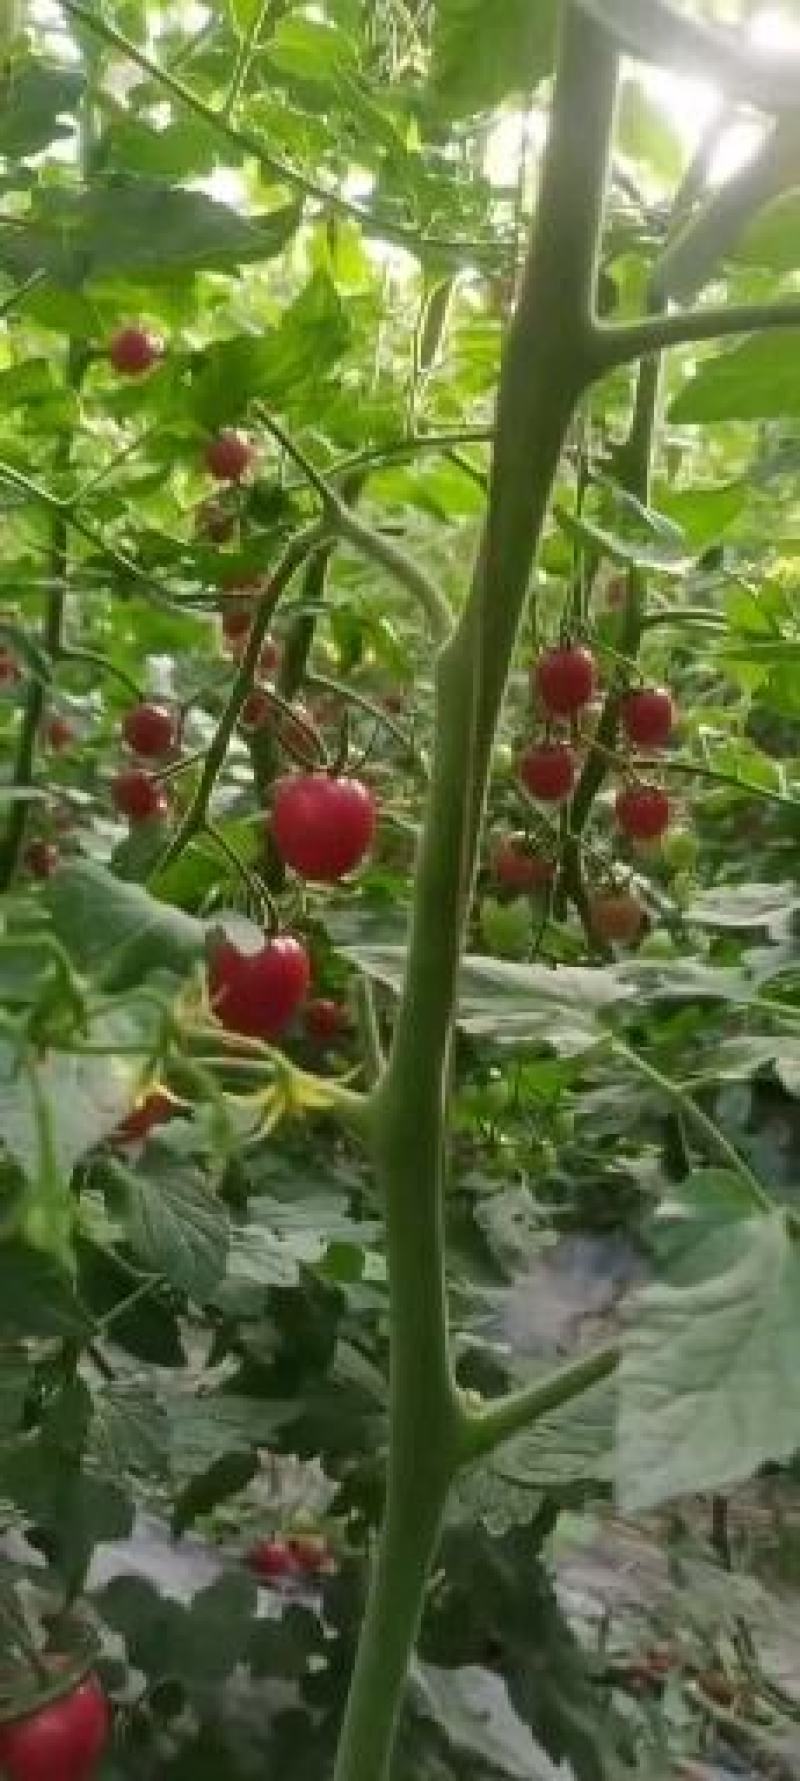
x=52, y=637
x=548, y=362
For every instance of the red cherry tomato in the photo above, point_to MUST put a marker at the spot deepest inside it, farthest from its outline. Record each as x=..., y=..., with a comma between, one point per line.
x=259, y=993
x=648, y=716
x=616, y=916
x=256, y=710
x=9, y=668
x=58, y=732
x=273, y=1561
x=565, y=680
x=41, y=858
x=326, y=1020
x=229, y=456
x=154, y=1110
x=323, y=827
x=517, y=868
x=63, y=1741
x=548, y=770
x=137, y=796
x=236, y=623
x=133, y=351
x=643, y=812
x=149, y=730
x=269, y=658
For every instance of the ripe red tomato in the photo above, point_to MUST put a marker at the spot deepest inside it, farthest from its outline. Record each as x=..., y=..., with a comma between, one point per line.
x=648, y=716
x=565, y=679
x=256, y=710
x=149, y=730
x=9, y=668
x=517, y=868
x=616, y=916
x=259, y=993
x=133, y=351
x=154, y=1110
x=269, y=658
x=548, y=770
x=323, y=826
x=62, y=1741
x=273, y=1561
x=58, y=732
x=41, y=858
x=236, y=623
x=326, y=1020
x=229, y=456
x=643, y=812
x=135, y=795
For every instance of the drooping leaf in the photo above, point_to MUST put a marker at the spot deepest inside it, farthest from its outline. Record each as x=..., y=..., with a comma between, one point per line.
x=709, y=1385
x=109, y=925
x=37, y=1296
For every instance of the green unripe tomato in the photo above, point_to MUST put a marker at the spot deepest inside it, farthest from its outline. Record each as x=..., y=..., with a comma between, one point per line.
x=506, y=928
x=679, y=850
x=657, y=945
x=503, y=761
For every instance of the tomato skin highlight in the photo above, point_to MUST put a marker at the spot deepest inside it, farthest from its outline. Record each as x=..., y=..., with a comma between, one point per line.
x=548, y=770
x=565, y=680
x=132, y=351
x=229, y=456
x=648, y=716
x=63, y=1741
x=643, y=812
x=323, y=826
x=136, y=795
x=258, y=994
x=149, y=731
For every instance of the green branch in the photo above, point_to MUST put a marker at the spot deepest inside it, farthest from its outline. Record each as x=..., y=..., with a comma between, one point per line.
x=655, y=31
x=619, y=344
x=248, y=48
x=705, y=1127
x=546, y=365
x=485, y=1429
x=296, y=553
x=695, y=251
x=343, y=519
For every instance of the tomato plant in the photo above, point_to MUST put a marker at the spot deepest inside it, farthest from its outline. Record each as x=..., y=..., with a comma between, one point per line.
x=399, y=750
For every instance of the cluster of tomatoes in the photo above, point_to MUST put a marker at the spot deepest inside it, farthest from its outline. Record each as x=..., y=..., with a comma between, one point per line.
x=298, y=1558
x=564, y=683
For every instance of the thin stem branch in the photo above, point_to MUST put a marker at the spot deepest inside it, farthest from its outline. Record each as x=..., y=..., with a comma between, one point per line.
x=301, y=547
x=345, y=521
x=248, y=47
x=705, y=1127
x=484, y=1430
x=621, y=342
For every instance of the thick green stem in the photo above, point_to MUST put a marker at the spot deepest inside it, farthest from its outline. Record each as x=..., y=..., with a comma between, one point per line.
x=546, y=365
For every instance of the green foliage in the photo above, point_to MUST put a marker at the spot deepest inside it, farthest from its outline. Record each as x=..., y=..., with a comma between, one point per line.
x=319, y=215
